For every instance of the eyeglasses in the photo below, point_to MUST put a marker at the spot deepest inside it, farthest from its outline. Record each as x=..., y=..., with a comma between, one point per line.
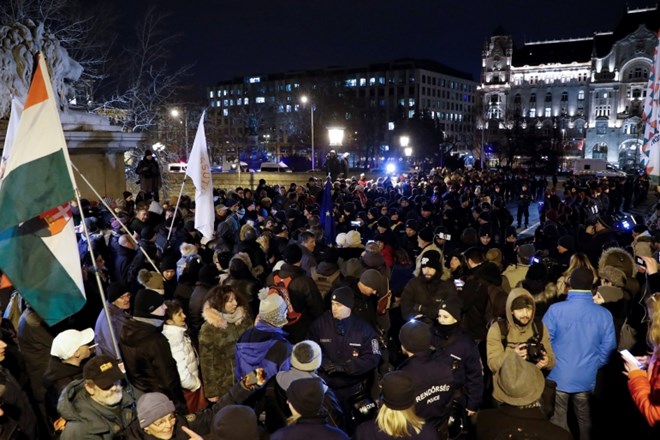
x=170, y=420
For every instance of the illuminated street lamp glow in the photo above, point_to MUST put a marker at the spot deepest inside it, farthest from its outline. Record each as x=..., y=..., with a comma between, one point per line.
x=174, y=113
x=408, y=151
x=335, y=136
x=404, y=141
x=390, y=168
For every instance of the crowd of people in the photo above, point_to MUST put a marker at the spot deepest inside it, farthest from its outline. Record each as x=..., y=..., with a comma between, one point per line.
x=425, y=317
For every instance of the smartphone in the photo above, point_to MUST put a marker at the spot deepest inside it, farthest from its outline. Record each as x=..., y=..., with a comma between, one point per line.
x=459, y=284
x=630, y=358
x=640, y=261
x=355, y=224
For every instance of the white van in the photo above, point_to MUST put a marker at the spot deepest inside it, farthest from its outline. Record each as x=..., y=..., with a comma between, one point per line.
x=273, y=167
x=177, y=167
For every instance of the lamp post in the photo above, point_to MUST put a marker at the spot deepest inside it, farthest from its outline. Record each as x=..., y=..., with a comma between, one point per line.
x=183, y=118
x=304, y=99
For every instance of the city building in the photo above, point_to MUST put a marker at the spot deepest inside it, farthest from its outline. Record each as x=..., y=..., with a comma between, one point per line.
x=372, y=103
x=573, y=97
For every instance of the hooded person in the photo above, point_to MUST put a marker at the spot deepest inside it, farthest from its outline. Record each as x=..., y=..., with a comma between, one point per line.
x=515, y=273
x=519, y=387
x=146, y=353
x=151, y=280
x=522, y=334
x=235, y=422
x=373, y=301
x=618, y=258
x=265, y=345
x=422, y=293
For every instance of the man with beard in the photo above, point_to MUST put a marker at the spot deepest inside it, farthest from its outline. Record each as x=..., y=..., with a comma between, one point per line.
x=98, y=405
x=423, y=293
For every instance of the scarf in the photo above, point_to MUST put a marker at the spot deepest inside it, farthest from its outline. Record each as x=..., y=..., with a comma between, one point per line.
x=236, y=317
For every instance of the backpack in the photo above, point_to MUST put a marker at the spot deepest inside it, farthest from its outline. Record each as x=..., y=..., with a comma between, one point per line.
x=496, y=305
x=281, y=287
x=504, y=329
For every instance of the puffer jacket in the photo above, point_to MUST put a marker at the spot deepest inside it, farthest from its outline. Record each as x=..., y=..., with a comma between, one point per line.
x=217, y=340
x=644, y=388
x=149, y=364
x=88, y=420
x=517, y=335
x=184, y=355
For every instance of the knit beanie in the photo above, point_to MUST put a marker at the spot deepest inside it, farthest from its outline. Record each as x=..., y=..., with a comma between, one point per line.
x=146, y=301
x=353, y=239
x=525, y=253
x=153, y=406
x=372, y=259
x=292, y=254
x=208, y=274
x=306, y=396
x=375, y=280
x=398, y=391
x=415, y=336
x=426, y=234
x=581, y=279
x=431, y=259
x=344, y=295
x=235, y=422
x=567, y=242
x=273, y=310
x=453, y=305
x=384, y=222
x=168, y=263
x=115, y=291
x=306, y=356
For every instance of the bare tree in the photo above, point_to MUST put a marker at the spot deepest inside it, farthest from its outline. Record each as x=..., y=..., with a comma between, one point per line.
x=145, y=81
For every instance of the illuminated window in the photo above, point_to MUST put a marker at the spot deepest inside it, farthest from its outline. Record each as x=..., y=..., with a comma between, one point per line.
x=351, y=82
x=246, y=101
x=381, y=80
x=372, y=81
x=260, y=100
x=581, y=95
x=363, y=82
x=532, y=112
x=225, y=112
x=254, y=80
x=211, y=94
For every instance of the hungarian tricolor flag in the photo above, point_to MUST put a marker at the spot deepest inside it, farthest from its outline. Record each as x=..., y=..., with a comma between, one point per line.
x=38, y=249
x=651, y=118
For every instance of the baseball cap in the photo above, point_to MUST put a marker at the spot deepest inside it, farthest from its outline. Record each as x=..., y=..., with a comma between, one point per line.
x=103, y=371
x=67, y=342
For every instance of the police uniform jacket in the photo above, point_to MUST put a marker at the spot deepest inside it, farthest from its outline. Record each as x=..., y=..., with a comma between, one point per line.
x=433, y=383
x=351, y=343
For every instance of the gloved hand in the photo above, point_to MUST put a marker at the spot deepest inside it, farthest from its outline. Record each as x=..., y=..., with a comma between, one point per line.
x=254, y=379
x=332, y=368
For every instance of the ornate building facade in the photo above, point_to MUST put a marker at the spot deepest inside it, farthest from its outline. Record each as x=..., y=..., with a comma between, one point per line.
x=579, y=97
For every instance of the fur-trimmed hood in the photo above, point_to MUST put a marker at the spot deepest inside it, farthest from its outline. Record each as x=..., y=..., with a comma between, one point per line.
x=618, y=258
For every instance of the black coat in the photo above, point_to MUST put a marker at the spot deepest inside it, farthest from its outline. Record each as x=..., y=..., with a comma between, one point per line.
x=148, y=361
x=307, y=428
x=522, y=422
x=422, y=296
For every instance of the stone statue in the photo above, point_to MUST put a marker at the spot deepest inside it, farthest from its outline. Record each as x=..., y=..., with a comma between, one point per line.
x=19, y=45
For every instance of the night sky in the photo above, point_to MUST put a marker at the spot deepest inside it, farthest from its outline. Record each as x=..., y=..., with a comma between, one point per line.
x=227, y=38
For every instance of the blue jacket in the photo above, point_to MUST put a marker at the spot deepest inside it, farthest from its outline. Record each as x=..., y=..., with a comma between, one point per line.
x=102, y=337
x=263, y=346
x=582, y=337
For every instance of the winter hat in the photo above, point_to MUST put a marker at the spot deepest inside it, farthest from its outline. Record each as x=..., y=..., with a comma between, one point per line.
x=470, y=237
x=146, y=301
x=412, y=224
x=272, y=310
x=372, y=259
x=521, y=301
x=208, y=274
x=340, y=239
x=613, y=275
x=147, y=233
x=581, y=279
x=187, y=249
x=375, y=280
x=235, y=422
x=620, y=259
x=115, y=291
x=306, y=356
x=353, y=239
x=103, y=370
x=151, y=280
x=494, y=255
x=426, y=234
x=90, y=224
x=292, y=254
x=344, y=295
x=398, y=391
x=484, y=231
x=520, y=382
x=126, y=194
x=67, y=342
x=415, y=336
x=526, y=253
x=431, y=259
x=168, y=263
x=351, y=268
x=306, y=396
x=153, y=406
x=610, y=293
x=384, y=222
x=567, y=242
x=453, y=305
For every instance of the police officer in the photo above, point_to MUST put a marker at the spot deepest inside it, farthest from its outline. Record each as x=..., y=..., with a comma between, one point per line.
x=350, y=354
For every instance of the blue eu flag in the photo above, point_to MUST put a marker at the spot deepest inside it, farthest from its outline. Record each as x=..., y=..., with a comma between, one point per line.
x=327, y=214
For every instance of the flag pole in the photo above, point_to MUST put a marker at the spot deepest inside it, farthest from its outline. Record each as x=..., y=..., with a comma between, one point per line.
x=176, y=209
x=115, y=346
x=112, y=211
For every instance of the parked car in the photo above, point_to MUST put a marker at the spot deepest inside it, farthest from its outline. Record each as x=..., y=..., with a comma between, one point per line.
x=179, y=167
x=273, y=167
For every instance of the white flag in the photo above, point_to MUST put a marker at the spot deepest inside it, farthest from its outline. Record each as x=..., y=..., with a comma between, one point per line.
x=199, y=170
x=12, y=129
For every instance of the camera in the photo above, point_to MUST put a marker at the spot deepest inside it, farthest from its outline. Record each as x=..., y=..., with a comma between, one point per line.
x=535, y=350
x=355, y=223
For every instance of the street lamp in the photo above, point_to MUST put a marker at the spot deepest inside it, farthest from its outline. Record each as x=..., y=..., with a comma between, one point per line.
x=335, y=136
x=183, y=118
x=304, y=99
